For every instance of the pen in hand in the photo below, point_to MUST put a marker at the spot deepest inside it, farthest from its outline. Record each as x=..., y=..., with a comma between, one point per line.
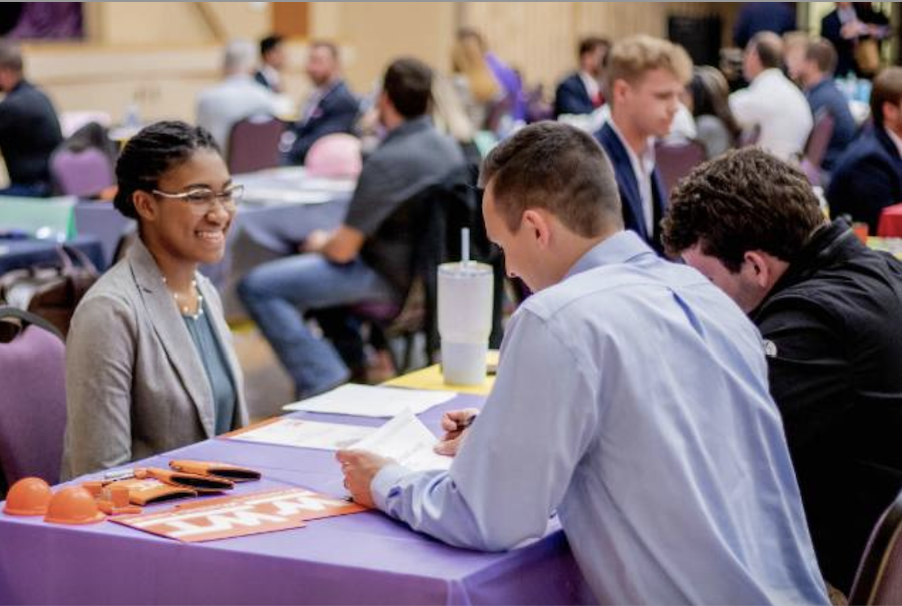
x=463, y=424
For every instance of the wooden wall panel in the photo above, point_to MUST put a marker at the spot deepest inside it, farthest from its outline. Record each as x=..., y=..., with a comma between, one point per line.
x=541, y=38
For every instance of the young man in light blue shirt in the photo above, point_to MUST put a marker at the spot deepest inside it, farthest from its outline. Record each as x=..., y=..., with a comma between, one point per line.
x=631, y=399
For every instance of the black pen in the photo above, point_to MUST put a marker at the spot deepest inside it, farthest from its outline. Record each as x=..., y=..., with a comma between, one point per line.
x=461, y=425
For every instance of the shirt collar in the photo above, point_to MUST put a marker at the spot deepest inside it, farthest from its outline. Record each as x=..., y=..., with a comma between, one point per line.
x=647, y=160
x=846, y=14
x=770, y=73
x=591, y=84
x=409, y=126
x=822, y=84
x=619, y=248
x=895, y=139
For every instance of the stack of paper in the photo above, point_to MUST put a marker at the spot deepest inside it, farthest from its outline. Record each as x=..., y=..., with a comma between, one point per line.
x=303, y=434
x=369, y=401
x=406, y=440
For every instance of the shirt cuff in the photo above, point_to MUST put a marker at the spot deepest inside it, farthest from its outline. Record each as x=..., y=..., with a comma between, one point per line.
x=385, y=482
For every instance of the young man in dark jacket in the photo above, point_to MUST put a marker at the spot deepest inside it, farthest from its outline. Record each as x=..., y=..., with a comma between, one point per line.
x=829, y=311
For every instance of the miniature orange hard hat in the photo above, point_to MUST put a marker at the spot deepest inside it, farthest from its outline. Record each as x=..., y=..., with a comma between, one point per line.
x=28, y=497
x=73, y=505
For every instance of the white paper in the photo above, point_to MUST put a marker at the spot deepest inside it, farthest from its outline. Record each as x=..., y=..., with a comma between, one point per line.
x=370, y=401
x=406, y=440
x=306, y=434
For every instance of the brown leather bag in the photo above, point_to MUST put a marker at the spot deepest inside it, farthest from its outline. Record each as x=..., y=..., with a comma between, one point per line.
x=867, y=56
x=51, y=292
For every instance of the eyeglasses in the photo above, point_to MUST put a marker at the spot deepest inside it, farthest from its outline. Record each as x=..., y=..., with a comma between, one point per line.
x=202, y=200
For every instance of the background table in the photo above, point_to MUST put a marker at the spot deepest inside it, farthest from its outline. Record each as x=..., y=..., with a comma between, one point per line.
x=364, y=558
x=18, y=254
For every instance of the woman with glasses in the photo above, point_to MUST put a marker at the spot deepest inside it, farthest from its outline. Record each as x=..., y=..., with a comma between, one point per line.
x=149, y=361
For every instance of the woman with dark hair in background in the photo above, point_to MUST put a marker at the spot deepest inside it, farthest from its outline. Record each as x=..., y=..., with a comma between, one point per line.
x=149, y=360
x=716, y=128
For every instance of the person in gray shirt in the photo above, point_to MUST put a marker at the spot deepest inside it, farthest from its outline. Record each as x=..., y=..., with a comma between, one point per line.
x=368, y=258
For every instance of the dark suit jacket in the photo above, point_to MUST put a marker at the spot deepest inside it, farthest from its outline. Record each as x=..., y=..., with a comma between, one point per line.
x=867, y=178
x=630, y=198
x=336, y=112
x=754, y=17
x=845, y=49
x=830, y=27
x=571, y=97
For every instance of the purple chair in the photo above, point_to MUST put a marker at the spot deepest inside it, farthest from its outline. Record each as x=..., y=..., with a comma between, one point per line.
x=82, y=173
x=879, y=577
x=33, y=406
x=816, y=147
x=254, y=144
x=676, y=160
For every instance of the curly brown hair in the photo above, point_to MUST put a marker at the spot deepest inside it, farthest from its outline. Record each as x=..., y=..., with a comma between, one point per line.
x=744, y=200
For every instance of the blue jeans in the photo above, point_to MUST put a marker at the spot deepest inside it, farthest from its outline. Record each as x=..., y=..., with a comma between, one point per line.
x=278, y=294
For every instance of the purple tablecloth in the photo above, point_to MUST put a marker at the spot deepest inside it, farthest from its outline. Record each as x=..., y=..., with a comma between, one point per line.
x=364, y=558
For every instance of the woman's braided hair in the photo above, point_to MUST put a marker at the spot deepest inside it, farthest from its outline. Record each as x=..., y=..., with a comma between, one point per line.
x=151, y=153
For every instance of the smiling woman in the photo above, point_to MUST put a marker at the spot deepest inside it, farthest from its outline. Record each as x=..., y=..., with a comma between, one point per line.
x=149, y=361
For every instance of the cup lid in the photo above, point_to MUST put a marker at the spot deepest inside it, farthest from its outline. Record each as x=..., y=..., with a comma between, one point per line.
x=464, y=270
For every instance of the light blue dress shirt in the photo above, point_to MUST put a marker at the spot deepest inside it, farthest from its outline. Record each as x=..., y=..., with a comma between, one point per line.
x=632, y=399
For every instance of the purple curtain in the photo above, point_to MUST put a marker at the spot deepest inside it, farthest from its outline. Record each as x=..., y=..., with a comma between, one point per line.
x=49, y=21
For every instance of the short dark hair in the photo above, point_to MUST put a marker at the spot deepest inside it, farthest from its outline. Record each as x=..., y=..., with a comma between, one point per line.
x=557, y=167
x=408, y=84
x=744, y=200
x=769, y=47
x=887, y=89
x=10, y=56
x=150, y=154
x=269, y=43
x=329, y=46
x=823, y=54
x=588, y=45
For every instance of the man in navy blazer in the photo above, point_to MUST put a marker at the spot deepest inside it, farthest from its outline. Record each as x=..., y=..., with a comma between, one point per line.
x=644, y=78
x=332, y=108
x=580, y=92
x=868, y=177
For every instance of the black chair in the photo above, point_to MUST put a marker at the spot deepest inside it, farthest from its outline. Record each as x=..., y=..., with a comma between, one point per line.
x=879, y=577
x=436, y=215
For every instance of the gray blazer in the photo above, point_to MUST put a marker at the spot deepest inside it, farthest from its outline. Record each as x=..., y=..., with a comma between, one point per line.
x=135, y=384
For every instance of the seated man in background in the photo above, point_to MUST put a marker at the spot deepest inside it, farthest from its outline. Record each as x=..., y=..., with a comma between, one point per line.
x=580, y=92
x=331, y=107
x=237, y=97
x=816, y=76
x=771, y=102
x=828, y=308
x=272, y=62
x=657, y=477
x=367, y=258
x=644, y=78
x=29, y=128
x=868, y=177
